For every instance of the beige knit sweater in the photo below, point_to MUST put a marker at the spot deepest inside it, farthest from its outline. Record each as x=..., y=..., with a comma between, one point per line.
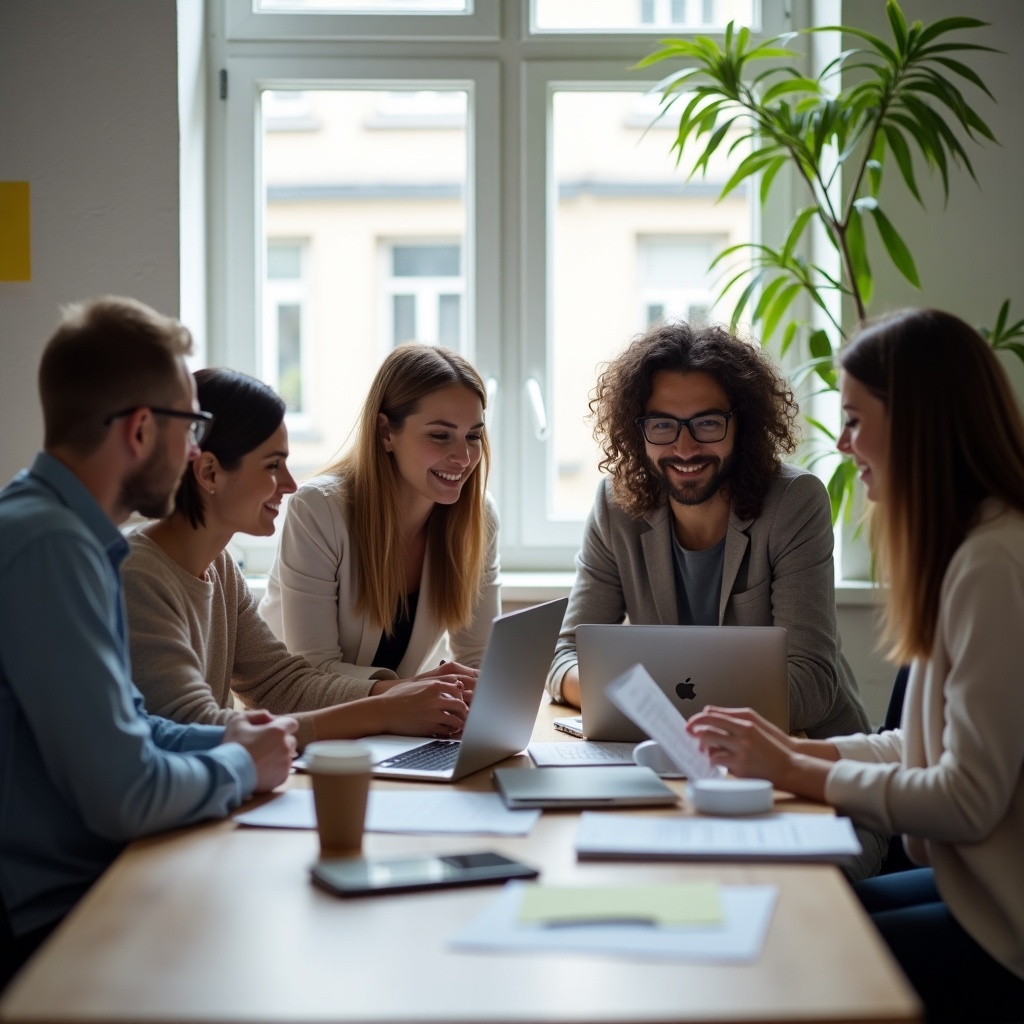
x=195, y=641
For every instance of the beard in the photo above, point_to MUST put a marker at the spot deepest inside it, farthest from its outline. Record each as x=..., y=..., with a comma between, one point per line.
x=151, y=488
x=698, y=492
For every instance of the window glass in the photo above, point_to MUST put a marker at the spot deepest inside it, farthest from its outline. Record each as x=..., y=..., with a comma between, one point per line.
x=380, y=204
x=369, y=6
x=639, y=15
x=285, y=333
x=631, y=243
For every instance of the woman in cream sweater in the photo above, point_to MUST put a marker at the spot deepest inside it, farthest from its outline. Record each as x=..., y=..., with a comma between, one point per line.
x=937, y=437
x=196, y=638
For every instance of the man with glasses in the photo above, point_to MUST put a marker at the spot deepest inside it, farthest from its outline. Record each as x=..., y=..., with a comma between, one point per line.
x=699, y=522
x=83, y=768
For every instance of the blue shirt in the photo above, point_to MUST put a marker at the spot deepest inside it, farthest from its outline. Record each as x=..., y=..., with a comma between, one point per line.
x=83, y=768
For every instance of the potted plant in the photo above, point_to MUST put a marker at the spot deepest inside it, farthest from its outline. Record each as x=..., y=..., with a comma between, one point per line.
x=900, y=104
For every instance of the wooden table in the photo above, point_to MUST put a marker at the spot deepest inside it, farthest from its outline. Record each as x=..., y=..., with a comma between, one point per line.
x=219, y=924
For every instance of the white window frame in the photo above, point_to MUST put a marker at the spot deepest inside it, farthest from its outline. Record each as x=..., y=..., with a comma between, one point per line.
x=293, y=292
x=427, y=292
x=509, y=74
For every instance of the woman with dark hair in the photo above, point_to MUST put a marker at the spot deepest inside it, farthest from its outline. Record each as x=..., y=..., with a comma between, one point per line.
x=938, y=439
x=389, y=558
x=197, y=640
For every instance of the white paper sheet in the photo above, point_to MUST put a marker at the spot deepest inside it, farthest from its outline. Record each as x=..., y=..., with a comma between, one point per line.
x=641, y=700
x=445, y=811
x=747, y=912
x=801, y=837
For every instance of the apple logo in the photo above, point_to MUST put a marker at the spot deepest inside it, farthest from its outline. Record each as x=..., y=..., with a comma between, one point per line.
x=686, y=691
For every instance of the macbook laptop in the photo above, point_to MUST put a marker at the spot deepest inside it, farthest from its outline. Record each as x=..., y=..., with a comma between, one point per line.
x=731, y=666
x=503, y=710
x=594, y=786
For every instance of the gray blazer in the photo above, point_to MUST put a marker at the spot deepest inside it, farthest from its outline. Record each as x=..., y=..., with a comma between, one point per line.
x=777, y=571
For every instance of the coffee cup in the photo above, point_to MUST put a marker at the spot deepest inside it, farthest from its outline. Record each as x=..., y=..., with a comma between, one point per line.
x=340, y=771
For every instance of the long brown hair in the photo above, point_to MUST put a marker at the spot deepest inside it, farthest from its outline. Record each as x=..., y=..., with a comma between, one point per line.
x=761, y=397
x=457, y=537
x=956, y=437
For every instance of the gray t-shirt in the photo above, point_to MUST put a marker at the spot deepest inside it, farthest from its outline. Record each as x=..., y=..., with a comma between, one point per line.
x=698, y=583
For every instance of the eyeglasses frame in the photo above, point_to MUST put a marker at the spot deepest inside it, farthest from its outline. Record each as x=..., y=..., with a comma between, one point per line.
x=200, y=425
x=688, y=423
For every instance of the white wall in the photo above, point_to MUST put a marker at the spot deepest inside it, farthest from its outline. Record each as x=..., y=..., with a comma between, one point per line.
x=88, y=116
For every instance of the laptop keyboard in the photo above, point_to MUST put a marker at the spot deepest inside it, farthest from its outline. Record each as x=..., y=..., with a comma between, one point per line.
x=430, y=757
x=589, y=751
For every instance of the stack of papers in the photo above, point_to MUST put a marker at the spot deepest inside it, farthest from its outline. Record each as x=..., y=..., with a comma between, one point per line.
x=701, y=922
x=772, y=837
x=443, y=812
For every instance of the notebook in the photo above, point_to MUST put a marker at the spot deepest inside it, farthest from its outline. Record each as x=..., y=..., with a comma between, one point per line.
x=504, y=706
x=731, y=666
x=595, y=786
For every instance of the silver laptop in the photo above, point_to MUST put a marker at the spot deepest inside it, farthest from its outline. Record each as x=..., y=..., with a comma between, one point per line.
x=503, y=710
x=731, y=666
x=590, y=786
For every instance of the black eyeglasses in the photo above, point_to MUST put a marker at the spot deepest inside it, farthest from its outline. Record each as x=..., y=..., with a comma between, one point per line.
x=199, y=427
x=705, y=427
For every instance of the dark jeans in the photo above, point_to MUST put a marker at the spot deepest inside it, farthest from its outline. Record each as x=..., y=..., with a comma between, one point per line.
x=955, y=978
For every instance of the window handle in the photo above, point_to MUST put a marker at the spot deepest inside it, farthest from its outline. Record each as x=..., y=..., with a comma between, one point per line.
x=540, y=416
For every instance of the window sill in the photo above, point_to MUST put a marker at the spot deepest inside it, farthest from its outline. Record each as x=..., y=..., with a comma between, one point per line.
x=531, y=587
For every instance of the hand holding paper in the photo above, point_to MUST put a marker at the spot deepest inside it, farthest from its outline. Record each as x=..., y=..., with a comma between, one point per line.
x=638, y=697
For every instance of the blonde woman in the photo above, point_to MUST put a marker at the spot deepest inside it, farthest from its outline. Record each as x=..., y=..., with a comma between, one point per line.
x=388, y=563
x=938, y=441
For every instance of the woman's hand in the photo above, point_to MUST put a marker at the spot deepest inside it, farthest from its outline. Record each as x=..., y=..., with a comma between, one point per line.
x=426, y=707
x=743, y=742
x=446, y=672
x=750, y=747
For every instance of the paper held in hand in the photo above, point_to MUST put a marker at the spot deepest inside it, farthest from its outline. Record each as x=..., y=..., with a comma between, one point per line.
x=641, y=700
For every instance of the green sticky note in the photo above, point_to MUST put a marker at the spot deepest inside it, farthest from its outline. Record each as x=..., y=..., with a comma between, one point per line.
x=682, y=904
x=15, y=239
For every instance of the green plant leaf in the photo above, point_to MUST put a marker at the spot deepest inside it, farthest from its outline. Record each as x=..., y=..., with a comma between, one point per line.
x=901, y=152
x=875, y=176
x=788, y=335
x=965, y=72
x=898, y=24
x=821, y=428
x=945, y=25
x=768, y=175
x=1015, y=347
x=801, y=84
x=777, y=309
x=796, y=230
x=751, y=164
x=840, y=488
x=896, y=247
x=821, y=348
x=767, y=294
x=856, y=248
x=872, y=40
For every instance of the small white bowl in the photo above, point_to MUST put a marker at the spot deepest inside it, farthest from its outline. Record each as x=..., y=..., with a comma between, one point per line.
x=731, y=796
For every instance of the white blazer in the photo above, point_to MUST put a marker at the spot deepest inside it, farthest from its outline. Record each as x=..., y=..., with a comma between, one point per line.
x=310, y=598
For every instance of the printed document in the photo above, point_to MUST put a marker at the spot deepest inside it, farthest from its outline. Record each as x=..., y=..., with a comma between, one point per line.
x=640, y=699
x=797, y=837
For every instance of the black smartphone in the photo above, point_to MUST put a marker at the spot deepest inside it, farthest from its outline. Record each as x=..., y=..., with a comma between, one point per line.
x=360, y=877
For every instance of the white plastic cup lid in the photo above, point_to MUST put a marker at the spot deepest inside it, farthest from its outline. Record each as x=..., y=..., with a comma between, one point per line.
x=337, y=757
